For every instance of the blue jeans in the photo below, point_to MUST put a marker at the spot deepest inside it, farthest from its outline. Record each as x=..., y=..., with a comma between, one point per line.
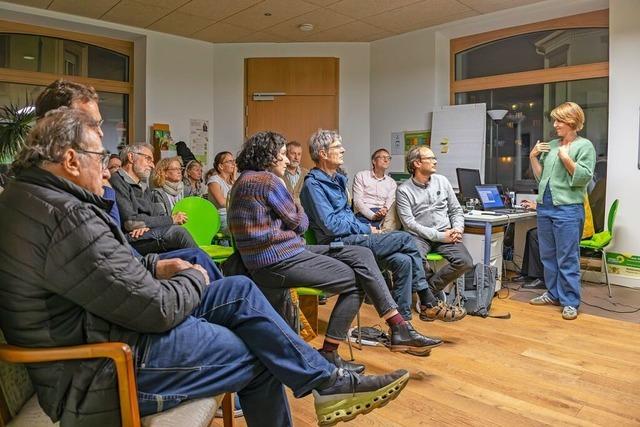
x=234, y=341
x=398, y=252
x=559, y=233
x=195, y=256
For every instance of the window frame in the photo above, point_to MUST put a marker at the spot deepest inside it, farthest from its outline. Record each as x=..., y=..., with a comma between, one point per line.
x=595, y=19
x=126, y=48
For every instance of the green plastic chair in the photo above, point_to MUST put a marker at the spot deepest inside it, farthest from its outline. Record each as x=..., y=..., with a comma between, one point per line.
x=599, y=241
x=203, y=224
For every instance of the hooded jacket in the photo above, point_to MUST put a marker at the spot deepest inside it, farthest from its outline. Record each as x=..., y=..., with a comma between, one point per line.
x=68, y=277
x=325, y=201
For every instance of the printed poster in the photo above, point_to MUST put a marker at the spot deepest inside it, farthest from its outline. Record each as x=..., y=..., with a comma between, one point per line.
x=199, y=139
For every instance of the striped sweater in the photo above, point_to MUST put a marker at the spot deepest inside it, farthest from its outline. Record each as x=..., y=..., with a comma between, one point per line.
x=264, y=220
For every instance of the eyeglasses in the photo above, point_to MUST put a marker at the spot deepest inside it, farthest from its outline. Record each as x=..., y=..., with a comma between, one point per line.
x=104, y=156
x=383, y=157
x=147, y=157
x=430, y=158
x=229, y=161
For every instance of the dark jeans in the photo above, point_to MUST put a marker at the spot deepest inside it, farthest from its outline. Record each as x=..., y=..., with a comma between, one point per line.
x=349, y=272
x=163, y=239
x=456, y=254
x=363, y=219
x=195, y=256
x=531, y=262
x=397, y=252
x=559, y=233
x=233, y=342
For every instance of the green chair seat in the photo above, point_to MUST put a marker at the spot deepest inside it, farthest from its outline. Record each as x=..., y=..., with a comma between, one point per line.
x=203, y=224
x=435, y=257
x=302, y=291
x=597, y=241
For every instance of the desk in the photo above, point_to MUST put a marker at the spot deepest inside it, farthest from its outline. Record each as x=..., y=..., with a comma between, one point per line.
x=478, y=219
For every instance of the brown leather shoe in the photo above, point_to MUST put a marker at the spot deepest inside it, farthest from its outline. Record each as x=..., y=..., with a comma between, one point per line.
x=442, y=311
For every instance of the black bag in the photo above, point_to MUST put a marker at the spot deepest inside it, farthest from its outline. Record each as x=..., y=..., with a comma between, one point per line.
x=475, y=289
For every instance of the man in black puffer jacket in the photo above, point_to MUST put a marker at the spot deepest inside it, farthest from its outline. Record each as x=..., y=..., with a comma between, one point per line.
x=68, y=277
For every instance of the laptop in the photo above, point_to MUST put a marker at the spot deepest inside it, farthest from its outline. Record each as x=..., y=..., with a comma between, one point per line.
x=491, y=200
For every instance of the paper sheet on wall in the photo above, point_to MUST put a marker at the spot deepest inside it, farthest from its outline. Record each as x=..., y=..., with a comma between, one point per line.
x=199, y=139
x=458, y=135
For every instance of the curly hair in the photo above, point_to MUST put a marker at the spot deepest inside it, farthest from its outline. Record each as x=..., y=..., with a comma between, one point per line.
x=63, y=93
x=160, y=172
x=260, y=151
x=51, y=136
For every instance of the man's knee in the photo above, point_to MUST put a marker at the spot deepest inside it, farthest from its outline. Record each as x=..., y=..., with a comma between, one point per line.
x=463, y=262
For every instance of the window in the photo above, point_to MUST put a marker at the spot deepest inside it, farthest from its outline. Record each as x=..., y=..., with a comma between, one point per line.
x=32, y=57
x=527, y=71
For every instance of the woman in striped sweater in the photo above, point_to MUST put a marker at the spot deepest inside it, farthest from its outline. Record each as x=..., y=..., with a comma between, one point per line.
x=267, y=226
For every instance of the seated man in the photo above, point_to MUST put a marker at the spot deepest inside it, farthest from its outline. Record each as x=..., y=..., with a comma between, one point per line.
x=68, y=277
x=324, y=197
x=267, y=226
x=295, y=173
x=137, y=209
x=429, y=210
x=374, y=191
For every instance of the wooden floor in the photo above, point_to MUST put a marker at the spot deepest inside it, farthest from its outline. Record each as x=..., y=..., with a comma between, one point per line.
x=533, y=369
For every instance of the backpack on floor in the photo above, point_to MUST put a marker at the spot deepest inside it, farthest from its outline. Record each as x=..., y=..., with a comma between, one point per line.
x=475, y=289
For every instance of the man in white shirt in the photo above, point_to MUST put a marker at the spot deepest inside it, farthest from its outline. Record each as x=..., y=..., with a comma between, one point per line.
x=373, y=190
x=295, y=173
x=429, y=210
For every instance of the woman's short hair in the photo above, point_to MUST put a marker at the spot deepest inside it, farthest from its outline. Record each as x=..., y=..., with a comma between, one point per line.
x=217, y=161
x=569, y=113
x=321, y=140
x=160, y=172
x=260, y=151
x=190, y=165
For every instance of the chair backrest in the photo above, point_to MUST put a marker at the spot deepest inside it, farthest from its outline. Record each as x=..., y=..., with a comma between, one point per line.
x=613, y=211
x=203, y=220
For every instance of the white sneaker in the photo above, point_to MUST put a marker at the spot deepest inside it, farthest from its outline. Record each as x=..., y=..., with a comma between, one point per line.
x=569, y=313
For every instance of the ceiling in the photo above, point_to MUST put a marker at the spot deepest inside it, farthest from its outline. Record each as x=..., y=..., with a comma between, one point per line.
x=251, y=21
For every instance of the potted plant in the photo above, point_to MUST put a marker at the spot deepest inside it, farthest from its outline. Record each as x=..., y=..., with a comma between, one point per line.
x=15, y=123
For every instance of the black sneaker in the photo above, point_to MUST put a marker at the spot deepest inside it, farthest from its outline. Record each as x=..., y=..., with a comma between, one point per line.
x=405, y=338
x=334, y=358
x=351, y=395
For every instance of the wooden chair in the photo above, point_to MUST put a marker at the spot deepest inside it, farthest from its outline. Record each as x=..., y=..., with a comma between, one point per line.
x=16, y=388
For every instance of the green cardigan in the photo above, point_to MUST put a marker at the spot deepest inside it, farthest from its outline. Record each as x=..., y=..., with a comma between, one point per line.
x=567, y=189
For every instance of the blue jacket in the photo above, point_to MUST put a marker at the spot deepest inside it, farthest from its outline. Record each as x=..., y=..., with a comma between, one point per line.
x=325, y=201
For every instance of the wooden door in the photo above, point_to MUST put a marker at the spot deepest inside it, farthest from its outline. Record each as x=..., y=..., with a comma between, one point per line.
x=305, y=97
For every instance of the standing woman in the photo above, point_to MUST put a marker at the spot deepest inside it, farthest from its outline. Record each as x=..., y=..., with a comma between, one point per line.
x=220, y=184
x=563, y=167
x=193, y=185
x=168, y=188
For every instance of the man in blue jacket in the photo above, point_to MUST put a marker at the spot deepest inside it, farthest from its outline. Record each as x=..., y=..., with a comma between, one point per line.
x=324, y=198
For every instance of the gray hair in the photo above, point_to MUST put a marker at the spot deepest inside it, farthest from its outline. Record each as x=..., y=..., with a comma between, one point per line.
x=52, y=135
x=133, y=148
x=321, y=140
x=412, y=156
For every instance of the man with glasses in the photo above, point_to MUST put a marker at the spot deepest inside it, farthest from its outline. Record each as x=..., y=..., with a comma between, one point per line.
x=429, y=210
x=137, y=209
x=324, y=197
x=373, y=191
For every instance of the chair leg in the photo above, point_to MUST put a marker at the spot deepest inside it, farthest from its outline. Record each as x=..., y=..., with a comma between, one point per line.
x=606, y=271
x=359, y=341
x=350, y=349
x=228, y=408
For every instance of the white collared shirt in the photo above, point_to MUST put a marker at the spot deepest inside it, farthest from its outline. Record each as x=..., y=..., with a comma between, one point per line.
x=370, y=192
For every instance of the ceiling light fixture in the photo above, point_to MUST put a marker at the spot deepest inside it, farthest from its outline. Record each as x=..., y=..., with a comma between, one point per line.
x=267, y=14
x=29, y=57
x=305, y=27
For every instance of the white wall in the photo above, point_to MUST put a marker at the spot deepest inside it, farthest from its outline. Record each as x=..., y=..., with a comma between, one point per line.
x=354, y=93
x=406, y=86
x=623, y=175
x=173, y=76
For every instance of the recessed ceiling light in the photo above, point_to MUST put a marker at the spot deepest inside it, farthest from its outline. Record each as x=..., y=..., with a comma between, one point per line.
x=305, y=27
x=267, y=14
x=29, y=57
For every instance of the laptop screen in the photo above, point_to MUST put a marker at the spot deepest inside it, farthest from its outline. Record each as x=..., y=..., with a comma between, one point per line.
x=489, y=196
